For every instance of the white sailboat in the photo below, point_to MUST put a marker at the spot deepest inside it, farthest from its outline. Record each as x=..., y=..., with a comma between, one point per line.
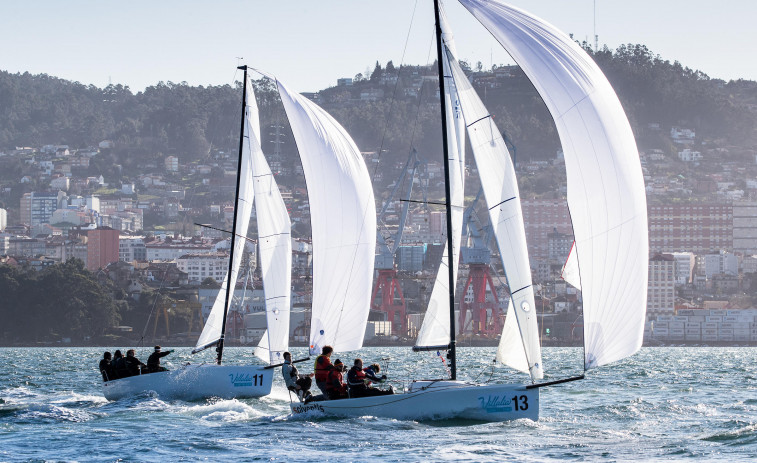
x=254, y=184
x=607, y=203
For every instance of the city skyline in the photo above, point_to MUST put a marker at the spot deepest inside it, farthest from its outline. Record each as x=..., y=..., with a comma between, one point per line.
x=310, y=45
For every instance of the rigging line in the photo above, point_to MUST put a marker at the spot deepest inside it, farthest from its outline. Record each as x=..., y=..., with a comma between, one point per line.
x=394, y=93
x=478, y=120
x=503, y=202
x=154, y=304
x=418, y=107
x=211, y=144
x=521, y=289
x=238, y=235
x=272, y=235
x=423, y=202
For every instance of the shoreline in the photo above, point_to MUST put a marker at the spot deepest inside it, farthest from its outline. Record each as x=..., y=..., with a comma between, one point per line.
x=461, y=344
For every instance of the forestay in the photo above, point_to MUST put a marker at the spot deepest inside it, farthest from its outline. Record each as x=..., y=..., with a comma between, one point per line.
x=435, y=330
x=211, y=332
x=343, y=219
x=500, y=185
x=605, y=183
x=274, y=244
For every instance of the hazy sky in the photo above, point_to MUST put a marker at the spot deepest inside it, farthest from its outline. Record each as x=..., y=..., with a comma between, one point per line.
x=310, y=43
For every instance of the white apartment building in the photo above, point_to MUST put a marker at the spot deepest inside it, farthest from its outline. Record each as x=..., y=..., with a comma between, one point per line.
x=172, y=163
x=172, y=251
x=201, y=266
x=688, y=155
x=720, y=263
x=684, y=266
x=131, y=248
x=749, y=264
x=661, y=294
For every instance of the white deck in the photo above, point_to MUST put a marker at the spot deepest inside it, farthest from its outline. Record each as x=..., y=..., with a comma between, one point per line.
x=438, y=400
x=194, y=382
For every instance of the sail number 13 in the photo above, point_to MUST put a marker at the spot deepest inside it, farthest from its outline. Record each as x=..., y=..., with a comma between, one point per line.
x=520, y=402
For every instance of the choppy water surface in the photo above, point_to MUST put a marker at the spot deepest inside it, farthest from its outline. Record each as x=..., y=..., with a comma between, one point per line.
x=662, y=404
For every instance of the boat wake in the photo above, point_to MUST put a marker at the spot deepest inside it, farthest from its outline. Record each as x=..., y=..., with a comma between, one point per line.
x=225, y=411
x=743, y=434
x=43, y=413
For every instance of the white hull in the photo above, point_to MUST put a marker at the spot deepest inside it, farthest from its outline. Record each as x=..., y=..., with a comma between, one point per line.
x=194, y=382
x=438, y=400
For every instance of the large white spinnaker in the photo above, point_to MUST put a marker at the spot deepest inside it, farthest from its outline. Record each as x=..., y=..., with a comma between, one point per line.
x=435, y=330
x=274, y=244
x=343, y=219
x=500, y=186
x=606, y=194
x=211, y=332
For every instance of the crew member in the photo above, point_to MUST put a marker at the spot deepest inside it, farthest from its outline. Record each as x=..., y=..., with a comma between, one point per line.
x=133, y=365
x=335, y=387
x=118, y=365
x=153, y=361
x=371, y=375
x=294, y=380
x=106, y=369
x=322, y=367
x=359, y=381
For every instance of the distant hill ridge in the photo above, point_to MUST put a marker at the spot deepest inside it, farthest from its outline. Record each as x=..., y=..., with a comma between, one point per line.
x=387, y=110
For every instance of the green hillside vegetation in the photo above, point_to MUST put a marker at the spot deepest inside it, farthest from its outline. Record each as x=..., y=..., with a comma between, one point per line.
x=74, y=304
x=171, y=118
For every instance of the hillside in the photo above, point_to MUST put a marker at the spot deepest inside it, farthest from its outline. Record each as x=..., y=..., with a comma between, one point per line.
x=393, y=110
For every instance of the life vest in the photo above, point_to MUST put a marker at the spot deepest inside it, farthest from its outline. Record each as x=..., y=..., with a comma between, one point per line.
x=322, y=367
x=334, y=377
x=293, y=372
x=356, y=377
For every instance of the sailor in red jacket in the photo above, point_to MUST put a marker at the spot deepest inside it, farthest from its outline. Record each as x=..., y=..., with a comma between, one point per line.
x=322, y=367
x=335, y=387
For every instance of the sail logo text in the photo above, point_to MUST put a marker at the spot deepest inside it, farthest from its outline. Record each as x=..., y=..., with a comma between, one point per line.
x=496, y=404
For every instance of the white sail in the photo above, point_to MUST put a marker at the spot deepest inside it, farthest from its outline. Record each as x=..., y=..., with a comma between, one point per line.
x=500, y=186
x=274, y=244
x=211, y=332
x=605, y=183
x=263, y=351
x=570, y=271
x=510, y=350
x=435, y=330
x=343, y=219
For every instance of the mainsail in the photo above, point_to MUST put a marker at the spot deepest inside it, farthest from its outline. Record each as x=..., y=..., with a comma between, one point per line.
x=435, y=330
x=500, y=186
x=605, y=184
x=211, y=332
x=274, y=244
x=343, y=219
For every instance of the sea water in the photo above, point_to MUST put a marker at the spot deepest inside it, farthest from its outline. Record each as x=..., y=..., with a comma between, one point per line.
x=661, y=404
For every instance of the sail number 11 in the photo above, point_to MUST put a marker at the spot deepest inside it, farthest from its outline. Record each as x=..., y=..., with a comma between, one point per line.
x=520, y=402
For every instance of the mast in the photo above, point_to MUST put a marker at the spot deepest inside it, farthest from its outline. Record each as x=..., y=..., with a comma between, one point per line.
x=448, y=199
x=232, y=284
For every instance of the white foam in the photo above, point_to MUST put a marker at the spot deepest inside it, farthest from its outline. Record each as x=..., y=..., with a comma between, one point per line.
x=223, y=411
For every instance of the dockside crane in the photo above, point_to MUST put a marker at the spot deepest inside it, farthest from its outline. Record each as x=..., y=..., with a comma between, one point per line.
x=387, y=294
x=479, y=315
